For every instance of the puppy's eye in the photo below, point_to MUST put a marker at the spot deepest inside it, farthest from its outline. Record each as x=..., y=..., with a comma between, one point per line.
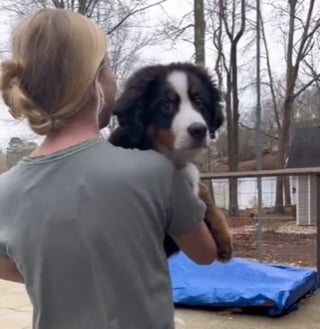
x=199, y=101
x=167, y=108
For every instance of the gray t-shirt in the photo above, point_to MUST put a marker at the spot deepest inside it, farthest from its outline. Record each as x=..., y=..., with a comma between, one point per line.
x=85, y=227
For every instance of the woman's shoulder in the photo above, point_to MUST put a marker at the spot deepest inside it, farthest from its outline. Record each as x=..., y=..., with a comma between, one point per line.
x=146, y=162
x=9, y=181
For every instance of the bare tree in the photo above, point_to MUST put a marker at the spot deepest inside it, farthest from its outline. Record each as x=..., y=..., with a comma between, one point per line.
x=200, y=58
x=271, y=83
x=228, y=26
x=300, y=33
x=123, y=22
x=297, y=23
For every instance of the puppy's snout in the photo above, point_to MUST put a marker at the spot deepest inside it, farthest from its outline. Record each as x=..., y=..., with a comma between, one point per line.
x=197, y=131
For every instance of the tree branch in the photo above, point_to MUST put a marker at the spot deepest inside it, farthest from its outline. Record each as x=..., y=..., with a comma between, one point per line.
x=302, y=89
x=116, y=26
x=273, y=94
x=254, y=129
x=243, y=22
x=305, y=35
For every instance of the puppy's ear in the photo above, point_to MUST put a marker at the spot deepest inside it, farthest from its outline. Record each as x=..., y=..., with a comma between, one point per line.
x=131, y=107
x=122, y=137
x=216, y=119
x=215, y=108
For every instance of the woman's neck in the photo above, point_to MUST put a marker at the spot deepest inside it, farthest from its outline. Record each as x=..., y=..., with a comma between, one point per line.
x=72, y=135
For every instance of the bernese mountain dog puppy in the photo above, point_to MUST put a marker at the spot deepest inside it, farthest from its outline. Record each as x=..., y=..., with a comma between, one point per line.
x=174, y=109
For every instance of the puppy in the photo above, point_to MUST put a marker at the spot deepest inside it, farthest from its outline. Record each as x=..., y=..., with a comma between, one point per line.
x=174, y=109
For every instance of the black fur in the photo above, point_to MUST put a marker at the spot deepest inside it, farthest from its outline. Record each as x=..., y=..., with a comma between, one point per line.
x=139, y=106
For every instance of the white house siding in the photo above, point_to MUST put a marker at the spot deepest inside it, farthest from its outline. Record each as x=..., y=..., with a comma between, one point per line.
x=247, y=192
x=303, y=200
x=313, y=200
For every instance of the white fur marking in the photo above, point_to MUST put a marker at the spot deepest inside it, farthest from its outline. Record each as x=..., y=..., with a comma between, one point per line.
x=186, y=115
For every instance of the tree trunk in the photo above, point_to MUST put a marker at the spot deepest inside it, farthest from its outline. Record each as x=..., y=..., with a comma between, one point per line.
x=232, y=98
x=233, y=135
x=199, y=46
x=279, y=196
x=232, y=158
x=287, y=195
x=199, y=32
x=283, y=151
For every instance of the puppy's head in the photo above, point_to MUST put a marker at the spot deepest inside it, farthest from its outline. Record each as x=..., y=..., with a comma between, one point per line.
x=174, y=108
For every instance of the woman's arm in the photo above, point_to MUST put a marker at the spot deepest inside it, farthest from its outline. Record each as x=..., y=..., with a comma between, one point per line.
x=9, y=271
x=185, y=222
x=198, y=245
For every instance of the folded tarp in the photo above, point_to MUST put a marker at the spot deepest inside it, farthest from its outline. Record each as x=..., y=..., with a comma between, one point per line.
x=240, y=284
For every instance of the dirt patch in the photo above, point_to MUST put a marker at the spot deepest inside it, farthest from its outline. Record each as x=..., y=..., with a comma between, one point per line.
x=281, y=241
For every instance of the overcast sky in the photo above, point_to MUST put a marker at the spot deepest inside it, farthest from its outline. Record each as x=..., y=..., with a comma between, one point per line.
x=163, y=53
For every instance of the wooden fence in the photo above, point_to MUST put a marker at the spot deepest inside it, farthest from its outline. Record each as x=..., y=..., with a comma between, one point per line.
x=315, y=171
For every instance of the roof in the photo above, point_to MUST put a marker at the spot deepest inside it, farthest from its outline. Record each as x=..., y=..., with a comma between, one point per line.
x=304, y=149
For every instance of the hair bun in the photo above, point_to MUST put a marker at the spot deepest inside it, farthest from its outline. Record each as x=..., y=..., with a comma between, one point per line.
x=11, y=73
x=10, y=85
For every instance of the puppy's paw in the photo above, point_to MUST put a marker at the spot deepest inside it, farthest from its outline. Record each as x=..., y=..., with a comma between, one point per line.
x=224, y=246
x=219, y=228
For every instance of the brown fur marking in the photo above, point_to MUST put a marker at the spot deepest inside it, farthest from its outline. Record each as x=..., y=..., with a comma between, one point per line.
x=172, y=96
x=164, y=138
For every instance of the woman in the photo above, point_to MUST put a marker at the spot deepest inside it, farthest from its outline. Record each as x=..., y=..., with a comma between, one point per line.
x=81, y=221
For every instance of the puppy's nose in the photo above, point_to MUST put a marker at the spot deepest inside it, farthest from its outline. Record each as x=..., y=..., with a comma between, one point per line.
x=198, y=131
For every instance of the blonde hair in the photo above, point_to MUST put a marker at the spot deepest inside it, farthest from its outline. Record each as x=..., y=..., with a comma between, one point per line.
x=56, y=57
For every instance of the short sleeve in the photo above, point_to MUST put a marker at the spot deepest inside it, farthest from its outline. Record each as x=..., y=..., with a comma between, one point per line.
x=186, y=210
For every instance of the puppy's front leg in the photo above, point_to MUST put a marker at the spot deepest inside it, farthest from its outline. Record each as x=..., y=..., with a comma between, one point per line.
x=218, y=225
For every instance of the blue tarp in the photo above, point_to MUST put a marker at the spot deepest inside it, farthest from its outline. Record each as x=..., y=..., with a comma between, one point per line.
x=240, y=284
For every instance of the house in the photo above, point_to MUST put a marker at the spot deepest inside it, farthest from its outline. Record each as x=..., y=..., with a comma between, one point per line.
x=304, y=152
